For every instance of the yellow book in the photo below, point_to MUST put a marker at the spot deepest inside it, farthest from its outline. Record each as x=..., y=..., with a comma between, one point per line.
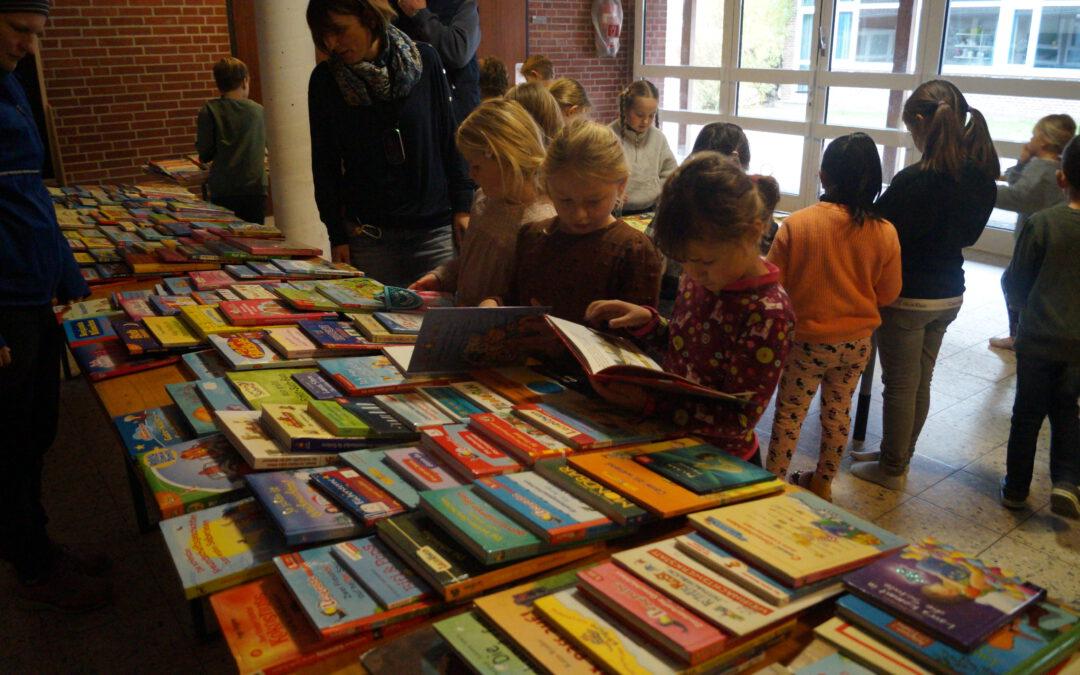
x=376, y=332
x=171, y=332
x=861, y=647
x=206, y=320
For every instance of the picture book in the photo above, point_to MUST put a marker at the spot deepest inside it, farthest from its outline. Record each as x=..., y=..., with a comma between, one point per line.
x=81, y=332
x=482, y=650
x=949, y=594
x=152, y=428
x=400, y=323
x=519, y=384
x=618, y=470
x=265, y=269
x=258, y=387
x=364, y=375
x=317, y=386
x=413, y=409
x=336, y=419
x=209, y=299
x=381, y=424
x=102, y=360
x=253, y=291
x=205, y=364
x=250, y=351
x=595, y=633
x=170, y=332
x=864, y=649
x=206, y=320
x=261, y=452
x=220, y=546
x=483, y=530
x=211, y=280
x=296, y=430
x=265, y=313
x=196, y=413
x=616, y=359
x=272, y=247
x=796, y=536
x=169, y=305
x=138, y=341
x=466, y=452
x=218, y=394
x=136, y=308
x=371, y=329
x=518, y=438
x=452, y=403
x=381, y=572
x=290, y=342
x=305, y=300
x=547, y=511
x=193, y=475
x=584, y=423
x=363, y=499
x=726, y=604
x=370, y=463
x=300, y=511
x=419, y=469
x=335, y=336
x=609, y=502
x=460, y=339
x=241, y=272
x=1031, y=642
x=359, y=294
x=704, y=468
x=90, y=309
x=230, y=296
x=483, y=397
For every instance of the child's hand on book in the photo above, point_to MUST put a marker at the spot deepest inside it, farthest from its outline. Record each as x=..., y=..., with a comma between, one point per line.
x=629, y=396
x=428, y=282
x=617, y=314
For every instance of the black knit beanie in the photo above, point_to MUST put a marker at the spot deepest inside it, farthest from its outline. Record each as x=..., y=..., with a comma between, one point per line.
x=28, y=6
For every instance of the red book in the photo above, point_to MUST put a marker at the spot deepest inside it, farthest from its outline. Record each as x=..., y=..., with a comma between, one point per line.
x=272, y=247
x=652, y=614
x=265, y=313
x=211, y=279
x=467, y=452
x=357, y=495
x=518, y=437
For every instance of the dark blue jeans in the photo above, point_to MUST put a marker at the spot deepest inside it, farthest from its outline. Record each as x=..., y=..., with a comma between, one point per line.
x=1044, y=389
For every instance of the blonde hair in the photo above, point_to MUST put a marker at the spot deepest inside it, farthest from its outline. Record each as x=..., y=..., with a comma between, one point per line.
x=538, y=102
x=589, y=150
x=1055, y=131
x=540, y=65
x=569, y=93
x=504, y=131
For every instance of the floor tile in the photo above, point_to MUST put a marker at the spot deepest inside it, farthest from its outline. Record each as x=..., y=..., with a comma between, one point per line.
x=974, y=498
x=991, y=467
x=1051, y=534
x=916, y=519
x=924, y=473
x=982, y=363
x=1060, y=579
x=862, y=498
x=941, y=440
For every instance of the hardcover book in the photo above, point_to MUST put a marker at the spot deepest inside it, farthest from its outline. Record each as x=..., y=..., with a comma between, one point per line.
x=265, y=313
x=81, y=332
x=864, y=649
x=193, y=475
x=209, y=299
x=704, y=468
x=364, y=500
x=400, y=323
x=258, y=387
x=383, y=426
x=356, y=294
x=290, y=342
x=466, y=451
x=586, y=423
x=483, y=530
x=419, y=469
x=206, y=320
x=451, y=402
x=381, y=572
x=317, y=386
x=218, y=394
x=370, y=328
x=151, y=428
x=241, y=272
x=170, y=332
x=102, y=360
x=370, y=463
x=477, y=646
x=413, y=409
x=205, y=364
x=249, y=351
x=460, y=339
x=169, y=305
x=484, y=397
x=364, y=375
x=195, y=412
x=300, y=511
x=137, y=340
x=136, y=308
x=335, y=336
x=517, y=437
x=305, y=300
x=602, y=498
x=253, y=291
x=261, y=452
x=297, y=431
x=90, y=309
x=211, y=280
x=547, y=511
x=337, y=420
x=272, y=247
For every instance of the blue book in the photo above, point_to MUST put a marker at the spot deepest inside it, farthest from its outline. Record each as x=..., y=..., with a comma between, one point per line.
x=381, y=572
x=453, y=402
x=152, y=428
x=265, y=269
x=88, y=331
x=195, y=411
x=317, y=385
x=300, y=511
x=400, y=323
x=834, y=664
x=370, y=463
x=218, y=394
x=242, y=272
x=1031, y=642
x=169, y=305
x=327, y=592
x=206, y=364
x=179, y=285
x=363, y=375
x=704, y=469
x=543, y=508
x=333, y=334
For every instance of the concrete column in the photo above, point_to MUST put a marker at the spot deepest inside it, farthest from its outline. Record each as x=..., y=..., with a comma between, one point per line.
x=286, y=58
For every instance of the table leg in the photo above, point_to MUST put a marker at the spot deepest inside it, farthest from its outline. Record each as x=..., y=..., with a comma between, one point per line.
x=138, y=500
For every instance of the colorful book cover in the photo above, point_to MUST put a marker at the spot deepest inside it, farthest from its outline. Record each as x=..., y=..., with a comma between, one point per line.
x=1030, y=642
x=221, y=546
x=261, y=452
x=335, y=335
x=466, y=451
x=316, y=384
x=602, y=498
x=337, y=420
x=211, y=280
x=205, y=364
x=379, y=570
x=363, y=375
x=451, y=402
x=865, y=650
x=396, y=298
x=290, y=342
x=585, y=422
x=547, y=511
x=300, y=511
x=152, y=428
x=295, y=429
x=81, y=332
x=484, y=397
x=265, y=313
x=400, y=323
x=265, y=269
x=367, y=296
x=676, y=575
x=253, y=292
x=218, y=394
x=136, y=308
x=138, y=341
x=363, y=499
x=834, y=664
x=676, y=629
x=413, y=409
x=90, y=309
x=796, y=536
x=271, y=247
x=483, y=530
x=306, y=300
x=171, y=332
x=704, y=468
x=598, y=635
x=206, y=320
x=169, y=305
x=206, y=298
x=247, y=351
x=481, y=649
x=460, y=339
x=228, y=295
x=242, y=272
x=193, y=475
x=419, y=469
x=382, y=424
x=519, y=438
x=371, y=464
x=258, y=387
x=618, y=470
x=953, y=596
x=195, y=411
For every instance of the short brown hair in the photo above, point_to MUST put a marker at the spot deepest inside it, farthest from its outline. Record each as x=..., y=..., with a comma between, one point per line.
x=494, y=80
x=229, y=74
x=376, y=15
x=539, y=64
x=539, y=102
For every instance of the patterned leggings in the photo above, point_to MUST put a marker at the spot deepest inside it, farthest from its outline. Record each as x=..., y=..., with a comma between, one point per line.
x=836, y=368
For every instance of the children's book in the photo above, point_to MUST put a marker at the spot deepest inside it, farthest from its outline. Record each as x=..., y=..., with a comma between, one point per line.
x=249, y=351
x=400, y=323
x=337, y=420
x=371, y=464
x=796, y=536
x=547, y=511
x=205, y=364
x=833, y=664
x=477, y=646
x=517, y=437
x=195, y=411
x=218, y=394
x=170, y=332
x=704, y=468
x=419, y=469
x=206, y=320
x=466, y=452
x=241, y=272
x=371, y=329
x=317, y=386
x=261, y=452
x=609, y=502
x=519, y=384
x=227, y=295
x=300, y=511
x=90, y=309
x=1032, y=641
x=381, y=572
x=616, y=359
x=369, y=375
x=258, y=387
x=272, y=247
x=220, y=546
x=193, y=475
x=584, y=423
x=253, y=292
x=451, y=402
x=381, y=424
x=949, y=594
x=208, y=298
x=483, y=530
x=211, y=280
x=864, y=649
x=305, y=300
x=136, y=308
x=460, y=339
x=151, y=428
x=81, y=332
x=137, y=340
x=355, y=294
x=290, y=342
x=367, y=502
x=265, y=269
x=266, y=313
x=297, y=431
x=414, y=410
x=169, y=305
x=483, y=397
x=103, y=360
x=335, y=336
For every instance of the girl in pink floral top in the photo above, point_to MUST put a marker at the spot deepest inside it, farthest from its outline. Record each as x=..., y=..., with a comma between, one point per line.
x=732, y=324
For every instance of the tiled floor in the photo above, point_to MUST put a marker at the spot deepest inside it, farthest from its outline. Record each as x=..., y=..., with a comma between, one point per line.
x=951, y=493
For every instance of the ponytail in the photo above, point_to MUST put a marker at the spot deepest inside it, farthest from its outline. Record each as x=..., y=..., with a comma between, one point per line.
x=768, y=191
x=979, y=146
x=851, y=175
x=937, y=111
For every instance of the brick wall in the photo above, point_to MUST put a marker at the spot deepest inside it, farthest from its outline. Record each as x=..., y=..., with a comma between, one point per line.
x=126, y=79
x=567, y=39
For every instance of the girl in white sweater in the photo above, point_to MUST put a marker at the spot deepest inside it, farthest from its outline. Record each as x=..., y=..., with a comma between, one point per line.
x=646, y=148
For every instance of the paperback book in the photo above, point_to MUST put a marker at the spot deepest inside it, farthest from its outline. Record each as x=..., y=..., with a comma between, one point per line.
x=864, y=649
x=609, y=502
x=371, y=329
x=400, y=323
x=382, y=425
x=484, y=531
x=371, y=464
x=419, y=469
x=266, y=313
x=261, y=452
x=450, y=402
x=290, y=342
x=547, y=511
x=517, y=437
x=259, y=387
x=297, y=431
x=335, y=336
x=381, y=572
x=170, y=332
x=365, y=501
x=317, y=386
x=466, y=452
x=413, y=409
x=483, y=397
x=193, y=475
x=302, y=514
x=364, y=375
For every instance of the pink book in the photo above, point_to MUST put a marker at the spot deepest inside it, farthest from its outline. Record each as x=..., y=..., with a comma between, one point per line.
x=265, y=313
x=210, y=280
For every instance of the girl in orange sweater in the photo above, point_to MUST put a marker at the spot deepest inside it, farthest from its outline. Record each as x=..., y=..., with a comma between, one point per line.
x=839, y=264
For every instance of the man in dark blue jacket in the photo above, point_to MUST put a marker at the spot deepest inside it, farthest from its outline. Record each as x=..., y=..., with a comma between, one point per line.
x=36, y=266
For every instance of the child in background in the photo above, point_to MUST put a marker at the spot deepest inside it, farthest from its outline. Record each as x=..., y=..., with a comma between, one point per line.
x=1042, y=282
x=732, y=324
x=571, y=97
x=584, y=253
x=538, y=68
x=538, y=101
x=504, y=150
x=493, y=78
x=231, y=133
x=646, y=148
x=1033, y=186
x=839, y=263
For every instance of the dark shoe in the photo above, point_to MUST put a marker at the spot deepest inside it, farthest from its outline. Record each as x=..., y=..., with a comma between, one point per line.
x=88, y=562
x=65, y=590
x=1065, y=500
x=1011, y=501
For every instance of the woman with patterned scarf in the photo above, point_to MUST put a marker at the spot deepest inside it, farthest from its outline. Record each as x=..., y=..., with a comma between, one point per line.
x=389, y=183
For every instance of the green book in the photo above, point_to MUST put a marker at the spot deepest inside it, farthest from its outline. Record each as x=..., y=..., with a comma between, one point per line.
x=305, y=299
x=483, y=651
x=337, y=420
x=259, y=387
x=600, y=497
x=479, y=526
x=703, y=469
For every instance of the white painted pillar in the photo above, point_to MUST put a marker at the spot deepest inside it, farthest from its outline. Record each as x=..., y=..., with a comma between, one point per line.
x=286, y=59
